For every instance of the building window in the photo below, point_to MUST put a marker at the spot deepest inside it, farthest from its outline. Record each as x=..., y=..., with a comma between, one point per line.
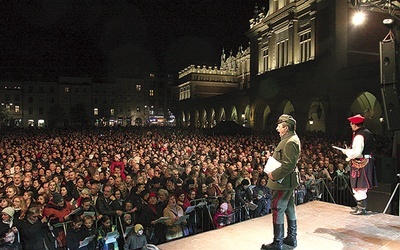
x=95, y=111
x=112, y=112
x=16, y=98
x=138, y=109
x=30, y=88
x=151, y=92
x=282, y=55
x=66, y=89
x=184, y=92
x=96, y=100
x=30, y=110
x=40, y=111
x=51, y=89
x=265, y=59
x=305, y=46
x=76, y=90
x=138, y=87
x=30, y=99
x=41, y=89
x=16, y=109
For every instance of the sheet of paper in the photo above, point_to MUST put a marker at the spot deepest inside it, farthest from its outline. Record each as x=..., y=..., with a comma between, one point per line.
x=162, y=219
x=271, y=165
x=112, y=237
x=190, y=209
x=87, y=240
x=181, y=219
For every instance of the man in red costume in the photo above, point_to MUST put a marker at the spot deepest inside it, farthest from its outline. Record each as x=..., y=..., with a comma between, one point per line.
x=363, y=172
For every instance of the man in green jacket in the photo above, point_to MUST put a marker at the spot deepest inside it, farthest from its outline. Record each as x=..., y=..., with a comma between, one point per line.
x=282, y=180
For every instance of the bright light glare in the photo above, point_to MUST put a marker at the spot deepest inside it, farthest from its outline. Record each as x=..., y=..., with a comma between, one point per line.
x=358, y=18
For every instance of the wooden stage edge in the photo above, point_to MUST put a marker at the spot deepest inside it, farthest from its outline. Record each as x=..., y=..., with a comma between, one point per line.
x=321, y=225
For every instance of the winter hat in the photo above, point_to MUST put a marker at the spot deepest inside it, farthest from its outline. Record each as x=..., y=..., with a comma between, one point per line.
x=57, y=198
x=224, y=206
x=9, y=210
x=178, y=192
x=138, y=227
x=152, y=194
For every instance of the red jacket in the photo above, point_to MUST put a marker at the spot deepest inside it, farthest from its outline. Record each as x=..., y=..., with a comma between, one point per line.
x=55, y=213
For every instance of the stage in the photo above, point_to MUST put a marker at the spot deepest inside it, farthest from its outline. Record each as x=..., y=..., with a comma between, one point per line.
x=320, y=226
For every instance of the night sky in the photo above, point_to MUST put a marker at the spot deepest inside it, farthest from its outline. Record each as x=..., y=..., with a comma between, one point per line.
x=49, y=38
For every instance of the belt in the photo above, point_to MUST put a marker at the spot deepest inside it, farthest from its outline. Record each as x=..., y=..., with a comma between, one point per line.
x=365, y=157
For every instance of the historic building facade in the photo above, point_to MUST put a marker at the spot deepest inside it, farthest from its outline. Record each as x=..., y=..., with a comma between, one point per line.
x=87, y=101
x=306, y=59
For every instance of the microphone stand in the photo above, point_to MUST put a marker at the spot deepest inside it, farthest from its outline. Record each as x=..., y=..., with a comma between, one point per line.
x=391, y=197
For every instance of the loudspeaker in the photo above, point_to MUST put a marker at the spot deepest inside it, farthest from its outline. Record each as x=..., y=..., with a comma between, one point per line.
x=388, y=61
x=391, y=105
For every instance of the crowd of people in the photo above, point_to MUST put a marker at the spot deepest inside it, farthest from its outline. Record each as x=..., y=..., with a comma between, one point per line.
x=123, y=188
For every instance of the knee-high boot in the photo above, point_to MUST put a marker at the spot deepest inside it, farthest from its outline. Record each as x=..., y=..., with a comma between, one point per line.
x=277, y=244
x=361, y=208
x=291, y=238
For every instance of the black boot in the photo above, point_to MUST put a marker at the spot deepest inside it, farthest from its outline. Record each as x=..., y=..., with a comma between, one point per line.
x=291, y=238
x=361, y=208
x=278, y=238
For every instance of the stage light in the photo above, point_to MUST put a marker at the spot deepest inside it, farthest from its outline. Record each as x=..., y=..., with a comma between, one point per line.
x=358, y=18
x=389, y=23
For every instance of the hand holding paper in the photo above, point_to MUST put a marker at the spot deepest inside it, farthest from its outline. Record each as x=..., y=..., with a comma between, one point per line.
x=271, y=165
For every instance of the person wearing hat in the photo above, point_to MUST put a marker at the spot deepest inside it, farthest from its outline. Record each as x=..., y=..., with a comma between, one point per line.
x=243, y=196
x=363, y=172
x=7, y=216
x=222, y=212
x=57, y=211
x=136, y=240
x=282, y=182
x=148, y=218
x=118, y=163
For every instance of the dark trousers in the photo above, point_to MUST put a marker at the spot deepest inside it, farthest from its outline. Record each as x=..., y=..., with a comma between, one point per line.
x=283, y=203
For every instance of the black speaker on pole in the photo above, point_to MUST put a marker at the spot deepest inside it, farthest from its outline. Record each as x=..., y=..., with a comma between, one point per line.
x=389, y=82
x=391, y=105
x=388, y=61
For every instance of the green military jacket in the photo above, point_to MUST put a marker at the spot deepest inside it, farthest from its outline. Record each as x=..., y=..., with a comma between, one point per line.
x=287, y=152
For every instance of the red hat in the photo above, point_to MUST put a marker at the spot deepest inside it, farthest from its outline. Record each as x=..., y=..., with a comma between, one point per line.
x=152, y=194
x=357, y=119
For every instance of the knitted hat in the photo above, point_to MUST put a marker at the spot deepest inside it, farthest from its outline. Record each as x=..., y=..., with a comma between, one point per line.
x=152, y=194
x=138, y=227
x=224, y=206
x=245, y=182
x=9, y=210
x=57, y=198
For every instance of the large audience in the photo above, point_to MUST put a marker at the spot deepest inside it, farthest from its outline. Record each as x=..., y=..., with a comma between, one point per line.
x=125, y=188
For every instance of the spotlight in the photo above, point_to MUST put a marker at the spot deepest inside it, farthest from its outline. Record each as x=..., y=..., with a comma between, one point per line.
x=358, y=18
x=389, y=23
